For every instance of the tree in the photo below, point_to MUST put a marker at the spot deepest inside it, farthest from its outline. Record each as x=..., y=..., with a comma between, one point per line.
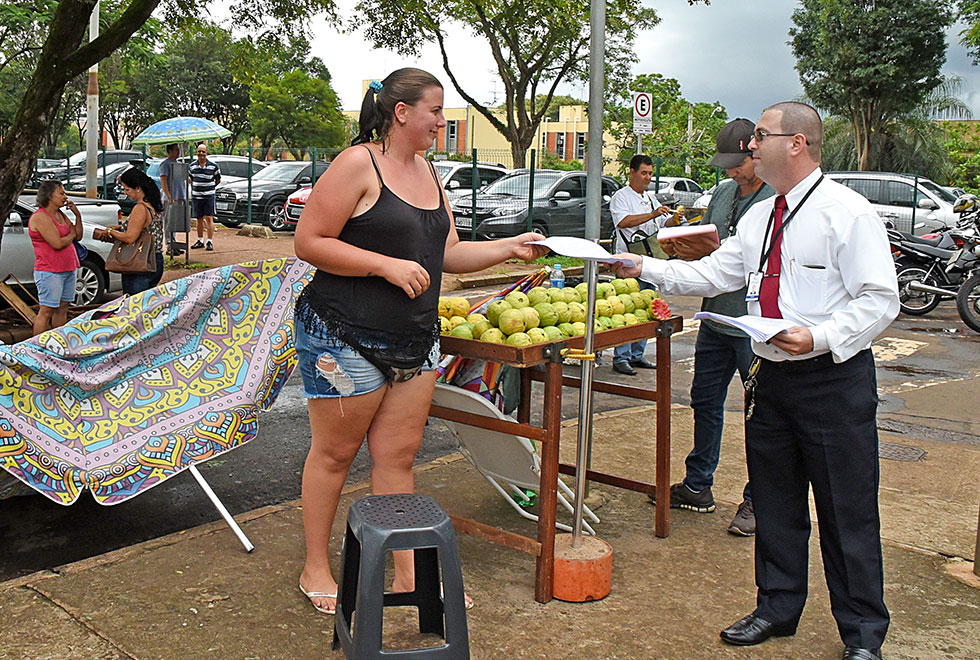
x=301, y=110
x=869, y=61
x=57, y=34
x=970, y=37
x=669, y=140
x=535, y=44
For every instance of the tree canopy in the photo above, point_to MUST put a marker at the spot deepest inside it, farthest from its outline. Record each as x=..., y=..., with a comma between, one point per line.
x=535, y=45
x=870, y=62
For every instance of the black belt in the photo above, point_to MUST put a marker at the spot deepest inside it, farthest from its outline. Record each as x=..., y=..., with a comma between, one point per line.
x=804, y=366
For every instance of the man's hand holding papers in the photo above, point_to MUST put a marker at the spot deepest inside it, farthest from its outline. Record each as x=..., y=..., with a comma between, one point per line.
x=689, y=242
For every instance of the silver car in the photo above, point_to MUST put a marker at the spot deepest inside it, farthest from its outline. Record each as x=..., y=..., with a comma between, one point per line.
x=92, y=281
x=685, y=191
x=898, y=198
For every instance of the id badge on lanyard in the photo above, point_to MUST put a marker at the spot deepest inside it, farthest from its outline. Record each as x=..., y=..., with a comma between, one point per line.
x=754, y=286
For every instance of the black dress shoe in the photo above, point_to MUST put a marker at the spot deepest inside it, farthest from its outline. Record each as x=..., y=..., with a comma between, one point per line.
x=755, y=630
x=855, y=653
x=624, y=368
x=642, y=363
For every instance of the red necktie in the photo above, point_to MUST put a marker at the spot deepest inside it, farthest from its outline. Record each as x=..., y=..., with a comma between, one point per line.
x=769, y=294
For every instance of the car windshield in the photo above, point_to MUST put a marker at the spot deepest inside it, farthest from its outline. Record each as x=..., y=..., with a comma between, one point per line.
x=516, y=185
x=940, y=192
x=282, y=171
x=443, y=169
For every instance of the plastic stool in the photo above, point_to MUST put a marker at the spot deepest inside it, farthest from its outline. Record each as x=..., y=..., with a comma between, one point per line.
x=376, y=525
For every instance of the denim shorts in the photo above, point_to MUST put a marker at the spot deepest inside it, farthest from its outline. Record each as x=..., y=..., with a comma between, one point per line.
x=331, y=368
x=54, y=288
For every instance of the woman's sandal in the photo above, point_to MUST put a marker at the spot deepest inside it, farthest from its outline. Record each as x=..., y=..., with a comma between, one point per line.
x=316, y=594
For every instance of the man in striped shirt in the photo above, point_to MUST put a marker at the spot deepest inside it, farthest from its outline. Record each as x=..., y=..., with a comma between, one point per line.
x=204, y=177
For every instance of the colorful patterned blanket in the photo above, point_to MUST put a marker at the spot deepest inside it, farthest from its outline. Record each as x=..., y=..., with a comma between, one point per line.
x=127, y=395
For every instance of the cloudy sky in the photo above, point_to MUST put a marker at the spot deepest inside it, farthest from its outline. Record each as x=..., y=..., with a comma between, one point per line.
x=733, y=52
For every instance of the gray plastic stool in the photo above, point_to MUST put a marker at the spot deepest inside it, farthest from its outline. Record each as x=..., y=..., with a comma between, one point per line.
x=376, y=525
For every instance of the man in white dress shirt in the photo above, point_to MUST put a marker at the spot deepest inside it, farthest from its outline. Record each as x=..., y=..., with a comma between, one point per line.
x=635, y=209
x=817, y=255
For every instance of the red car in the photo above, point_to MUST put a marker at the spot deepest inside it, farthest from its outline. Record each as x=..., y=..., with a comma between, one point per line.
x=294, y=206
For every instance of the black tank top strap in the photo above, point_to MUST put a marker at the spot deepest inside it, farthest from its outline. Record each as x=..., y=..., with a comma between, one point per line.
x=376, y=169
x=435, y=177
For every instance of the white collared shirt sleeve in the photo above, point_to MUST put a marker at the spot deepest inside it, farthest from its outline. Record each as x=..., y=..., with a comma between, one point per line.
x=721, y=271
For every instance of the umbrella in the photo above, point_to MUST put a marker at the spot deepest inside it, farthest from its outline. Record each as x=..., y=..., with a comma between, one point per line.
x=181, y=129
x=130, y=394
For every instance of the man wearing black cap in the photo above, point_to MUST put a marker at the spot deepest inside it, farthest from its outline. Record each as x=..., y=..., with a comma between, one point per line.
x=720, y=349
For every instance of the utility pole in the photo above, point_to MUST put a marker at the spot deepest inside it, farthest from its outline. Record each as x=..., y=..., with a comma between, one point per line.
x=92, y=109
x=690, y=138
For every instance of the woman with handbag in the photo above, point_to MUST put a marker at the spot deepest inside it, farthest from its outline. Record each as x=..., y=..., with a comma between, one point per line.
x=143, y=229
x=55, y=258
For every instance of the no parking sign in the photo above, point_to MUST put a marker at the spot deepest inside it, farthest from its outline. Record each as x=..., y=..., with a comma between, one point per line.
x=642, y=113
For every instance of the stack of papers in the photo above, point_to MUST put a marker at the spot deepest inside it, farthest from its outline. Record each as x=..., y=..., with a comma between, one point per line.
x=688, y=231
x=570, y=246
x=760, y=328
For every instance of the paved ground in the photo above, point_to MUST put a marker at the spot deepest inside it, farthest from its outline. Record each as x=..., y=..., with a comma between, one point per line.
x=196, y=594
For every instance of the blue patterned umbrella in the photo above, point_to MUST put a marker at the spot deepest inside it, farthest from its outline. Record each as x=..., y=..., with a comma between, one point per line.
x=181, y=129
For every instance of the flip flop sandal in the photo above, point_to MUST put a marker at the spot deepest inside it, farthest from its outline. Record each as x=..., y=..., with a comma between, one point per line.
x=316, y=594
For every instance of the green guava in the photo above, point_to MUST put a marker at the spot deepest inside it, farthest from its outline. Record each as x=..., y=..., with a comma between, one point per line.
x=517, y=299
x=537, y=295
x=531, y=318
x=493, y=336
x=494, y=309
x=519, y=339
x=511, y=321
x=546, y=313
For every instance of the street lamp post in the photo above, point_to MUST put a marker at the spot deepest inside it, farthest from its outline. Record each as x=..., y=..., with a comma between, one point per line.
x=690, y=131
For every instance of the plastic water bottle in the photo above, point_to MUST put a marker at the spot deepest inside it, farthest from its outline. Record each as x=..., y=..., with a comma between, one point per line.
x=557, y=277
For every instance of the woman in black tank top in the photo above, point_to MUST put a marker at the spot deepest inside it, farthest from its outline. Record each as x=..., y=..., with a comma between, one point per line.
x=378, y=228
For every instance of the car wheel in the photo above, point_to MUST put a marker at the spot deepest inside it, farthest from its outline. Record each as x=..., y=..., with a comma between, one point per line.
x=90, y=283
x=540, y=228
x=275, y=215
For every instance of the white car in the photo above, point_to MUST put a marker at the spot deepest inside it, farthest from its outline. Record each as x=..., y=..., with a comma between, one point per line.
x=912, y=204
x=92, y=280
x=685, y=191
x=457, y=176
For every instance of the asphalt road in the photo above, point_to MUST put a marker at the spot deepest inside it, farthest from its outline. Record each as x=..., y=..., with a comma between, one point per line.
x=36, y=533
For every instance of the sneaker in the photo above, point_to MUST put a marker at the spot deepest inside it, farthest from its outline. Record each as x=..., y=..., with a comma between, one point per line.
x=210, y=247
x=682, y=497
x=198, y=245
x=743, y=524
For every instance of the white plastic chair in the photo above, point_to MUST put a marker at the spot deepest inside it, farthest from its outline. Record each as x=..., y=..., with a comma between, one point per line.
x=507, y=461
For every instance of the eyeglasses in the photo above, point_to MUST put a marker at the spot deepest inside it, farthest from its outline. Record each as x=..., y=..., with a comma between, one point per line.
x=761, y=135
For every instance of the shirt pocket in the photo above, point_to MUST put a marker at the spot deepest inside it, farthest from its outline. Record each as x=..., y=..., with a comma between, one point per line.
x=812, y=287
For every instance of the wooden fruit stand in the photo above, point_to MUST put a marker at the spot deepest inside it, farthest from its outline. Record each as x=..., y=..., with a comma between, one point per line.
x=549, y=357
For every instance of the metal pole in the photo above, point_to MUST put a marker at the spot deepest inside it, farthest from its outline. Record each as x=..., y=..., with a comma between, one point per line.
x=92, y=109
x=639, y=143
x=690, y=139
x=105, y=184
x=221, y=508
x=915, y=193
x=593, y=201
x=248, y=206
x=530, y=193
x=656, y=176
x=313, y=178
x=476, y=177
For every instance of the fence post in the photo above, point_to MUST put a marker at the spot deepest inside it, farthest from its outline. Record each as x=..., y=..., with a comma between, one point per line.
x=248, y=208
x=67, y=166
x=530, y=193
x=105, y=184
x=656, y=184
x=476, y=178
x=313, y=178
x=717, y=175
x=915, y=193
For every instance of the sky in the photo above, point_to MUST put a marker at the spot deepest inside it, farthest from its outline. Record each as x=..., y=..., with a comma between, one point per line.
x=716, y=52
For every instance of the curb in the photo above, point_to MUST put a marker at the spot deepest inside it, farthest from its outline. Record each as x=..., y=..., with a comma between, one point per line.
x=476, y=281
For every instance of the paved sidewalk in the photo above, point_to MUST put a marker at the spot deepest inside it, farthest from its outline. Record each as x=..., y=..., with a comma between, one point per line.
x=197, y=594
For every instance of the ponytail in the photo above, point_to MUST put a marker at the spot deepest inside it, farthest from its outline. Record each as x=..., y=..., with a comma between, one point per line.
x=406, y=85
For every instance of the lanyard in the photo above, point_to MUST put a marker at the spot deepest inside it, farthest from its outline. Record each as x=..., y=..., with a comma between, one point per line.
x=778, y=233
x=732, y=220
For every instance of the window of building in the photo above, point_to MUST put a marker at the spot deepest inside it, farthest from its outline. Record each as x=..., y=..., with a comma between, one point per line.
x=560, y=145
x=580, y=146
x=452, y=135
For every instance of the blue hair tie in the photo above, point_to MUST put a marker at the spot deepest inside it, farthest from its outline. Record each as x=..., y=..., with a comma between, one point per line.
x=376, y=86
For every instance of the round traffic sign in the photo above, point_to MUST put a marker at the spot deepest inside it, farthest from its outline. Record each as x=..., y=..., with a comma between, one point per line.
x=642, y=104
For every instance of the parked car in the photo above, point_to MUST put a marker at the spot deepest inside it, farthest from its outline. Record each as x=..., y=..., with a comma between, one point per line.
x=92, y=280
x=892, y=196
x=110, y=174
x=457, y=176
x=270, y=188
x=559, y=205
x=45, y=163
x=74, y=167
x=294, y=205
x=233, y=168
x=705, y=198
x=955, y=191
x=152, y=170
x=685, y=191
x=98, y=212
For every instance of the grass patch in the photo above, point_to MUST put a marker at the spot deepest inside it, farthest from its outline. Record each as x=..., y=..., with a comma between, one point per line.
x=170, y=263
x=566, y=262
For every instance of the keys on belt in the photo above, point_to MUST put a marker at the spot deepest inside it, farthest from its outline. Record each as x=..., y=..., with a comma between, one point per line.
x=750, y=385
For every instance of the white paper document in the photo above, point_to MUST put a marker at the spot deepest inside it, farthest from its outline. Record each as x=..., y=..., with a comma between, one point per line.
x=685, y=231
x=579, y=248
x=759, y=328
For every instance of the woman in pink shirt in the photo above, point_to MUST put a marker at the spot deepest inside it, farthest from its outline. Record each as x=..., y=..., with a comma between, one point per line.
x=55, y=259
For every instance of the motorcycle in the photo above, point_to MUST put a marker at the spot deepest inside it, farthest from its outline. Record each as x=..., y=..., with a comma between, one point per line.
x=968, y=302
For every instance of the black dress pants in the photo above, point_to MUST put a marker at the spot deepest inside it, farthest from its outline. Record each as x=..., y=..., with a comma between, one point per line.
x=814, y=426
